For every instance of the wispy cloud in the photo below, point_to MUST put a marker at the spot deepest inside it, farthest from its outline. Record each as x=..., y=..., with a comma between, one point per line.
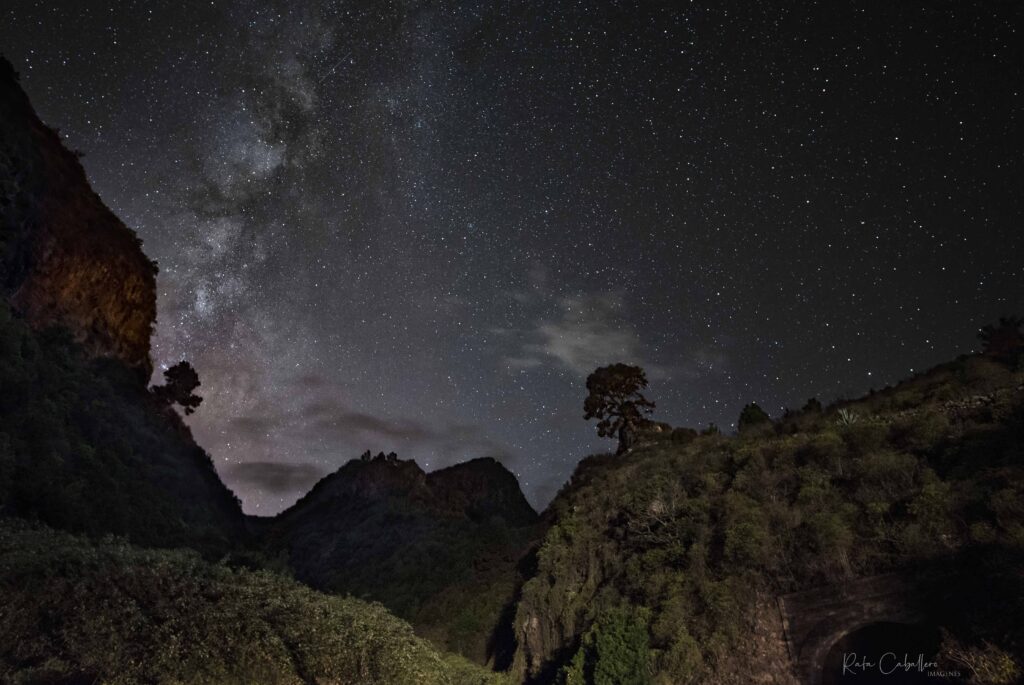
x=335, y=422
x=275, y=477
x=585, y=332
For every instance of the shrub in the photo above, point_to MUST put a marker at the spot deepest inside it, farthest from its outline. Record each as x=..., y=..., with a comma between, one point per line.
x=752, y=418
x=128, y=616
x=614, y=651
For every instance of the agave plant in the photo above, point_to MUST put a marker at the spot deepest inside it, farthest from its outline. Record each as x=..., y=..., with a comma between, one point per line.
x=847, y=417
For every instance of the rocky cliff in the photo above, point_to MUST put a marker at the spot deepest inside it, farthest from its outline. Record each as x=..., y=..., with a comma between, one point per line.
x=65, y=258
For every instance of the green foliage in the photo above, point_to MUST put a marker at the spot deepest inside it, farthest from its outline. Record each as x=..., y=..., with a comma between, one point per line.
x=847, y=417
x=706, y=530
x=683, y=435
x=128, y=615
x=983, y=664
x=920, y=431
x=748, y=540
x=614, y=651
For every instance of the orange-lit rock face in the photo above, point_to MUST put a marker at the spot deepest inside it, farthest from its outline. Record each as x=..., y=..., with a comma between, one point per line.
x=64, y=257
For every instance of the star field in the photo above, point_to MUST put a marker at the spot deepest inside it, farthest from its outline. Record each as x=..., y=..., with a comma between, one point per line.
x=418, y=226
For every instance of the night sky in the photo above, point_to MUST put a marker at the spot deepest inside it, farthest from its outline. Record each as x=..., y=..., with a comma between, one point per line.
x=418, y=226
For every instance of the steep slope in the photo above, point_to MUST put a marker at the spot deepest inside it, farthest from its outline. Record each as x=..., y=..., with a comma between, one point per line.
x=668, y=560
x=126, y=615
x=65, y=259
x=438, y=549
x=83, y=445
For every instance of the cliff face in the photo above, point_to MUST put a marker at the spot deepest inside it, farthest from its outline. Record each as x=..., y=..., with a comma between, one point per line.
x=65, y=258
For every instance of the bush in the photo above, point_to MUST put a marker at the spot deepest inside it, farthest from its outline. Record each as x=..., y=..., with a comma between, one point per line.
x=614, y=651
x=129, y=616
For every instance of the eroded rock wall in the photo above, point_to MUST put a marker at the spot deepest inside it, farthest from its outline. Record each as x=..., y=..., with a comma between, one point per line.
x=65, y=259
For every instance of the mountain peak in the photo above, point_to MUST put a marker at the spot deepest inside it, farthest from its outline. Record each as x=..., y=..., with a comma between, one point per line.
x=480, y=489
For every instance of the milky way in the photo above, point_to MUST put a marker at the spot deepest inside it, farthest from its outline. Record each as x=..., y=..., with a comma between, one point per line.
x=417, y=226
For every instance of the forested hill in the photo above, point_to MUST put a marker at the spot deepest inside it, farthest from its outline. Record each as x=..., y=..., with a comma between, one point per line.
x=664, y=564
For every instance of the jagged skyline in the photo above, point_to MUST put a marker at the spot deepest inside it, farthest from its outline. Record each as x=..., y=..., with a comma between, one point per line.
x=417, y=228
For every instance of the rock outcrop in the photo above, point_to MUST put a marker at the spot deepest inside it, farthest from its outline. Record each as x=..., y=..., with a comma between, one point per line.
x=65, y=259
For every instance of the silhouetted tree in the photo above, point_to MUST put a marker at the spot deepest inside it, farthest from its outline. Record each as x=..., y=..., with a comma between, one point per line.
x=614, y=399
x=1003, y=340
x=181, y=380
x=813, y=406
x=752, y=416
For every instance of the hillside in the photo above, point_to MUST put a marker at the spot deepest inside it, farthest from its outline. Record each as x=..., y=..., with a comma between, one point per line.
x=74, y=611
x=668, y=560
x=440, y=549
x=83, y=446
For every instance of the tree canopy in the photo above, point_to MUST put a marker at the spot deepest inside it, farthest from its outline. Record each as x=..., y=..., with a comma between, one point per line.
x=1003, y=340
x=615, y=400
x=181, y=382
x=752, y=416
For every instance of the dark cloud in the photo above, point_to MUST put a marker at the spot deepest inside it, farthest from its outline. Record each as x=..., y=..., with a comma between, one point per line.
x=274, y=478
x=339, y=423
x=588, y=331
x=254, y=424
x=328, y=418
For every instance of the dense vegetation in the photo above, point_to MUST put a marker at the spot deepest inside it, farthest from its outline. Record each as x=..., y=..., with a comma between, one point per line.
x=85, y=447
x=657, y=565
x=75, y=611
x=670, y=554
